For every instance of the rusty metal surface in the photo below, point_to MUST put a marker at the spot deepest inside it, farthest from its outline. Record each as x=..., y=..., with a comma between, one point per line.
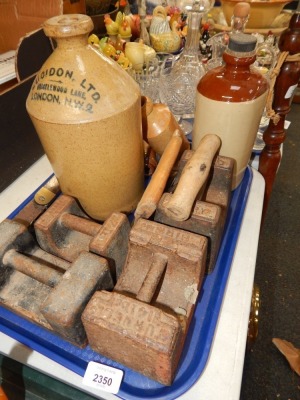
x=65, y=230
x=19, y=250
x=210, y=208
x=112, y=242
x=56, y=238
x=47, y=289
x=218, y=190
x=65, y=303
x=23, y=295
x=18, y=292
x=153, y=277
x=165, y=268
x=206, y=219
x=136, y=334
x=32, y=267
x=60, y=276
x=186, y=254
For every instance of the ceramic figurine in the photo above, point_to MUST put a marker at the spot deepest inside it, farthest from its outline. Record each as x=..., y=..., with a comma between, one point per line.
x=124, y=29
x=159, y=22
x=112, y=27
x=163, y=37
x=120, y=26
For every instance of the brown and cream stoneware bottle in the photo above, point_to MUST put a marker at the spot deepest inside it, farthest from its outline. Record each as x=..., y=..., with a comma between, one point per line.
x=87, y=112
x=230, y=101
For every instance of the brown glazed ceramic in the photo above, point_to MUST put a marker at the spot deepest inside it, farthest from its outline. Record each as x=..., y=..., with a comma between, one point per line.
x=229, y=103
x=87, y=113
x=159, y=124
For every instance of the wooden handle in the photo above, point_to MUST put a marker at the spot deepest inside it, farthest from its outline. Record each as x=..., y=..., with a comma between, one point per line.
x=153, y=192
x=192, y=179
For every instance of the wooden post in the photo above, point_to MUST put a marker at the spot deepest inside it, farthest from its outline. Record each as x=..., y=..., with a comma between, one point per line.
x=286, y=83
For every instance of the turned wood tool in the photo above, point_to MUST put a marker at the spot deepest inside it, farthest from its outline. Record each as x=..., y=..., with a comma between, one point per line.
x=210, y=208
x=156, y=186
x=192, y=179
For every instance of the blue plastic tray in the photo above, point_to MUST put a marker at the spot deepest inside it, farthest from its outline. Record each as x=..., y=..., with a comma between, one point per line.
x=199, y=338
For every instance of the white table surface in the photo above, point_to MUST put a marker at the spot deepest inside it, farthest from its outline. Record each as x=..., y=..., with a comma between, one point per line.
x=221, y=378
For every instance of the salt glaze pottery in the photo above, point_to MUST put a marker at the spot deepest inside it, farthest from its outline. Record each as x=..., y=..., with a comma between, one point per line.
x=159, y=124
x=230, y=100
x=87, y=113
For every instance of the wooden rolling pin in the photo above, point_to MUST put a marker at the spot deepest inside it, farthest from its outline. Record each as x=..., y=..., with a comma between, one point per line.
x=192, y=179
x=153, y=192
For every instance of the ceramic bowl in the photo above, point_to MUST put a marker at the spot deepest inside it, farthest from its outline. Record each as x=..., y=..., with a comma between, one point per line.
x=96, y=7
x=262, y=13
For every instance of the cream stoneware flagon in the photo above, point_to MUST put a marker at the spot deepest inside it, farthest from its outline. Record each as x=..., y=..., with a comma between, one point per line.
x=87, y=112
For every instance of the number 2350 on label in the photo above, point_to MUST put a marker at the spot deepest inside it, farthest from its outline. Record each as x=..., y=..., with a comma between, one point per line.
x=103, y=377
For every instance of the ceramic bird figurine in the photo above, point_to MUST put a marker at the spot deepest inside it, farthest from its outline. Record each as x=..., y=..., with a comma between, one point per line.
x=124, y=28
x=163, y=37
x=112, y=27
x=159, y=23
x=169, y=42
x=120, y=26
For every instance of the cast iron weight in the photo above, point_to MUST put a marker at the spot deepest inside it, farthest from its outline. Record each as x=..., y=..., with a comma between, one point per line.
x=210, y=208
x=144, y=321
x=45, y=288
x=65, y=303
x=19, y=292
x=65, y=230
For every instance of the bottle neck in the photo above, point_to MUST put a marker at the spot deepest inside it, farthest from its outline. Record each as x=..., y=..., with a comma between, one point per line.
x=193, y=33
x=238, y=63
x=238, y=24
x=71, y=42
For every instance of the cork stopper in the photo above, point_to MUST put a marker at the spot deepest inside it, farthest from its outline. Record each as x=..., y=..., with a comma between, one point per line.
x=242, y=43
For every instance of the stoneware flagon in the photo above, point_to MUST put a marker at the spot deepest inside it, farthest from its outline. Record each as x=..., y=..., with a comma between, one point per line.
x=86, y=111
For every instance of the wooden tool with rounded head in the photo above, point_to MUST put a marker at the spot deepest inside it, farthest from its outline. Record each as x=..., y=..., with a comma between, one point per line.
x=192, y=179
